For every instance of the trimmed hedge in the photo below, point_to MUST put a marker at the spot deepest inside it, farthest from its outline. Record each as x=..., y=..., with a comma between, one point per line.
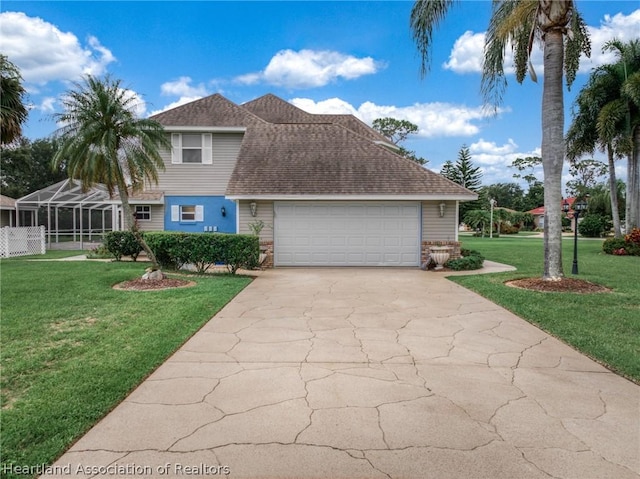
x=173, y=250
x=122, y=243
x=470, y=260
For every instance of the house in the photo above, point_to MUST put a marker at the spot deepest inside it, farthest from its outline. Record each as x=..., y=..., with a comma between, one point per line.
x=539, y=212
x=330, y=190
x=7, y=211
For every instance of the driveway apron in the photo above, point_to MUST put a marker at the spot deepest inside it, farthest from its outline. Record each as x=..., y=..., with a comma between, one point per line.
x=368, y=373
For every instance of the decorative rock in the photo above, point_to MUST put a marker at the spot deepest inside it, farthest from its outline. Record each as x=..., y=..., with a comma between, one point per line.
x=153, y=274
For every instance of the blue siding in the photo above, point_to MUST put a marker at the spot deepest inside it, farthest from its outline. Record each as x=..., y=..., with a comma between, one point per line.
x=212, y=214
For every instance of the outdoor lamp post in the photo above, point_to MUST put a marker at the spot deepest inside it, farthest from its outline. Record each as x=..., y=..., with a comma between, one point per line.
x=493, y=203
x=578, y=206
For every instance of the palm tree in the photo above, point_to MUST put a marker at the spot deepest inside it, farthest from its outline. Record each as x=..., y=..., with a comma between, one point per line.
x=584, y=137
x=102, y=141
x=13, y=112
x=623, y=115
x=561, y=30
x=477, y=219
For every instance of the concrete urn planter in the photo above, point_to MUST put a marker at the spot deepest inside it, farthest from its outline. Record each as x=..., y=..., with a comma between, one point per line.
x=440, y=254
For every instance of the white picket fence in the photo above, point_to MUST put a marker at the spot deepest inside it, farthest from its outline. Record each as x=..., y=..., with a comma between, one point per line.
x=22, y=241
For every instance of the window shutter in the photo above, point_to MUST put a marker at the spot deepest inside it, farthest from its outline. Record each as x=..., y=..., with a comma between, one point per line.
x=176, y=148
x=207, y=149
x=175, y=213
x=199, y=213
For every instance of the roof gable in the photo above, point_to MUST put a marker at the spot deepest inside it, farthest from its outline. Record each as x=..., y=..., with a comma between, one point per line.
x=214, y=110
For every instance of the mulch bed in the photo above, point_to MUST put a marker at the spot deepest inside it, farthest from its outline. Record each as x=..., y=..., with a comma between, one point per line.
x=565, y=285
x=140, y=284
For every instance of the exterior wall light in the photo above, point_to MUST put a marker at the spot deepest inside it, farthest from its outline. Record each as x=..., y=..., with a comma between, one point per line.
x=223, y=211
x=442, y=205
x=253, y=207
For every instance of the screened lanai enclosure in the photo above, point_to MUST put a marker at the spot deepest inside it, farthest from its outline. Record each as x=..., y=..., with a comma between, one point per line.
x=69, y=212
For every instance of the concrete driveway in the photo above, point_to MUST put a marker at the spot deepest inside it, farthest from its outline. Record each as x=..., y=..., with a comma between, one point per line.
x=368, y=373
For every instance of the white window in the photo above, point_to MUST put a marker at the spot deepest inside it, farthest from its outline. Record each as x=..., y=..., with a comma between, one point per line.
x=194, y=148
x=187, y=213
x=143, y=212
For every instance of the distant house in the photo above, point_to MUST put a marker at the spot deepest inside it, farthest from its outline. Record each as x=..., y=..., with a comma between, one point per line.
x=7, y=211
x=538, y=214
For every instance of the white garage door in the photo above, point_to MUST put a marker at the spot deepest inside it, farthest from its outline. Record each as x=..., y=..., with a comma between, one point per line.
x=327, y=233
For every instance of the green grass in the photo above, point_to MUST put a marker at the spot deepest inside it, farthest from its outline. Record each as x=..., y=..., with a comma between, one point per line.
x=605, y=326
x=73, y=348
x=51, y=254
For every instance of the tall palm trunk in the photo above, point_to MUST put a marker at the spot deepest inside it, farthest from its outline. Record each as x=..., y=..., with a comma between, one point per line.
x=553, y=152
x=131, y=224
x=613, y=193
x=633, y=184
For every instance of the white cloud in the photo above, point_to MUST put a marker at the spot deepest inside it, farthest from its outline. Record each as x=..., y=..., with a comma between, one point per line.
x=495, y=161
x=468, y=50
x=334, y=106
x=47, y=105
x=467, y=53
x=44, y=53
x=182, y=87
x=619, y=26
x=311, y=68
x=182, y=101
x=433, y=119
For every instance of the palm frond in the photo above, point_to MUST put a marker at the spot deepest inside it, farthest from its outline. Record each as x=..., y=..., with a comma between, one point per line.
x=426, y=16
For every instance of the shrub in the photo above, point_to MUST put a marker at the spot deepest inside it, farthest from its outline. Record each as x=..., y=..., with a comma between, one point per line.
x=633, y=237
x=592, y=226
x=612, y=244
x=471, y=259
x=122, y=243
x=630, y=245
x=174, y=250
x=100, y=252
x=509, y=229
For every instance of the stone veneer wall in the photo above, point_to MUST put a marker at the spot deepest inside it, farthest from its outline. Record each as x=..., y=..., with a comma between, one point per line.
x=455, y=252
x=266, y=247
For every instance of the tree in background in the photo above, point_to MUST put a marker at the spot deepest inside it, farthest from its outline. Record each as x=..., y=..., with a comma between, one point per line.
x=585, y=175
x=103, y=141
x=397, y=131
x=563, y=34
x=477, y=219
x=26, y=167
x=535, y=194
x=605, y=116
x=508, y=195
x=464, y=173
x=13, y=112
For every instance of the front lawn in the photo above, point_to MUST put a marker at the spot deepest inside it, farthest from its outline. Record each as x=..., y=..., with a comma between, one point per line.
x=73, y=348
x=605, y=326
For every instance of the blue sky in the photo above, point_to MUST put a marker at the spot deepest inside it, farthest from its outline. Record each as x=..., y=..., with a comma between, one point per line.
x=325, y=57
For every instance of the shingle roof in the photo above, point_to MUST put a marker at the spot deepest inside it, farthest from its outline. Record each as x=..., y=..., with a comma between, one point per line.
x=214, y=110
x=7, y=203
x=328, y=159
x=275, y=110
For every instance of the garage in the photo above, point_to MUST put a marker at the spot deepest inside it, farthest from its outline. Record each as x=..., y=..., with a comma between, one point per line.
x=349, y=233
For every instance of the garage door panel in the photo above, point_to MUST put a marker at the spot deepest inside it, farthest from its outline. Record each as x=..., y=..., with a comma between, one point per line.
x=347, y=233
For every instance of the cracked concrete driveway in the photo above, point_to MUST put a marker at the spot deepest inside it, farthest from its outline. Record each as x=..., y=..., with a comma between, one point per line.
x=368, y=373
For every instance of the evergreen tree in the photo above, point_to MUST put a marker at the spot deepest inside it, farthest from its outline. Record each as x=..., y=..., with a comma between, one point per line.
x=465, y=174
